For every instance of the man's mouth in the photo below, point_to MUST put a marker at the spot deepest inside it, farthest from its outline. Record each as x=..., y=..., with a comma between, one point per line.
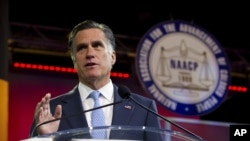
x=90, y=64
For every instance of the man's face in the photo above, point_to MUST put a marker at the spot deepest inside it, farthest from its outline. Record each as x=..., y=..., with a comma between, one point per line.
x=93, y=55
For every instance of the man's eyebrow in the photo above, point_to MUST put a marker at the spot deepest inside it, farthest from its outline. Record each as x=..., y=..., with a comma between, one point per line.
x=97, y=41
x=81, y=45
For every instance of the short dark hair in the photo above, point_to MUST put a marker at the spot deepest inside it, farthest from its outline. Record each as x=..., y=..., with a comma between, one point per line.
x=87, y=24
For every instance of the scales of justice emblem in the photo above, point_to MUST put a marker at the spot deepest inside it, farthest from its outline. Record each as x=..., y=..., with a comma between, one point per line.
x=184, y=68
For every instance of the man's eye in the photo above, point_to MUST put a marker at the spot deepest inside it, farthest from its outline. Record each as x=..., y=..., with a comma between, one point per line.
x=79, y=48
x=97, y=44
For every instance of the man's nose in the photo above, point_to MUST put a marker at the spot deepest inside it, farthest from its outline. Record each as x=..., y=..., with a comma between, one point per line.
x=89, y=52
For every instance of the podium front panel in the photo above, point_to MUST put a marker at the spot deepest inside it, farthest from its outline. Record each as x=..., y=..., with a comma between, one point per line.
x=122, y=133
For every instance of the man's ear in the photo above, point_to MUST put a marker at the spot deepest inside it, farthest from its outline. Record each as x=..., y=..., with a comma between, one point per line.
x=113, y=58
x=73, y=61
x=74, y=64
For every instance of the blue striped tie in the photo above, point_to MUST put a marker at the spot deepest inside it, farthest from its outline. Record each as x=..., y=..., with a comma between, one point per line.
x=98, y=118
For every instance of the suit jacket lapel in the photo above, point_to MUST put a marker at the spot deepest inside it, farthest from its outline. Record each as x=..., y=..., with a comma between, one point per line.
x=124, y=110
x=72, y=106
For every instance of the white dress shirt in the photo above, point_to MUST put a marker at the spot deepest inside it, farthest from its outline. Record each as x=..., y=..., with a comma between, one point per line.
x=106, y=97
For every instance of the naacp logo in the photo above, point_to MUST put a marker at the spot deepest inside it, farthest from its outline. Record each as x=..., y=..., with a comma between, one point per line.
x=183, y=67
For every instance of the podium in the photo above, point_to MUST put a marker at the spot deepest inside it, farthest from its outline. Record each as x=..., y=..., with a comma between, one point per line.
x=118, y=133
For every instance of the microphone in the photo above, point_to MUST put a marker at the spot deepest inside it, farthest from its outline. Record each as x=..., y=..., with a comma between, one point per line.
x=123, y=95
x=127, y=94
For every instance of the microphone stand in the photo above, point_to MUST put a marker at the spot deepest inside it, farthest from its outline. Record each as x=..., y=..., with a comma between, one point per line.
x=196, y=136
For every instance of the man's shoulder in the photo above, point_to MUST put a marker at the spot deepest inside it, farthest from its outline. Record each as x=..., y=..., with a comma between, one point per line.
x=141, y=97
x=66, y=94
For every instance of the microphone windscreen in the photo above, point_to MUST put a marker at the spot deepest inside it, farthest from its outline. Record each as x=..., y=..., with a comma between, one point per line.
x=124, y=91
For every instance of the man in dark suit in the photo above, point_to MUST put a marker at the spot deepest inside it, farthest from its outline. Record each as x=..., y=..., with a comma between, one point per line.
x=92, y=48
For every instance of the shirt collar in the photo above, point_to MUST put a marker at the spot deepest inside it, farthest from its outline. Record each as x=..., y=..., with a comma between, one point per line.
x=107, y=91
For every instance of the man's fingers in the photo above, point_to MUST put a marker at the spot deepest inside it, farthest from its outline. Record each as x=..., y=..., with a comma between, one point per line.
x=58, y=111
x=47, y=100
x=42, y=111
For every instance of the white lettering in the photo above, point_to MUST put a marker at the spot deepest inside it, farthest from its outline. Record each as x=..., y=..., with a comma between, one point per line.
x=155, y=34
x=220, y=91
x=216, y=49
x=222, y=61
x=143, y=63
x=239, y=132
x=169, y=28
x=206, y=105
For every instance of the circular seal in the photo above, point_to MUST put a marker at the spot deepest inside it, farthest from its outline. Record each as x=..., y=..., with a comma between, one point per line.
x=183, y=67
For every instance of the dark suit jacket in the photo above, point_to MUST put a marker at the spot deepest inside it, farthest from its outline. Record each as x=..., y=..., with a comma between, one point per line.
x=126, y=113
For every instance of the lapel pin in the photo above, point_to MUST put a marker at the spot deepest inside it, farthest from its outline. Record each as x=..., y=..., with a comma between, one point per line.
x=128, y=107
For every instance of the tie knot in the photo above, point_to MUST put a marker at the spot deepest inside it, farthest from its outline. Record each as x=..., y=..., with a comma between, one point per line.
x=95, y=95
